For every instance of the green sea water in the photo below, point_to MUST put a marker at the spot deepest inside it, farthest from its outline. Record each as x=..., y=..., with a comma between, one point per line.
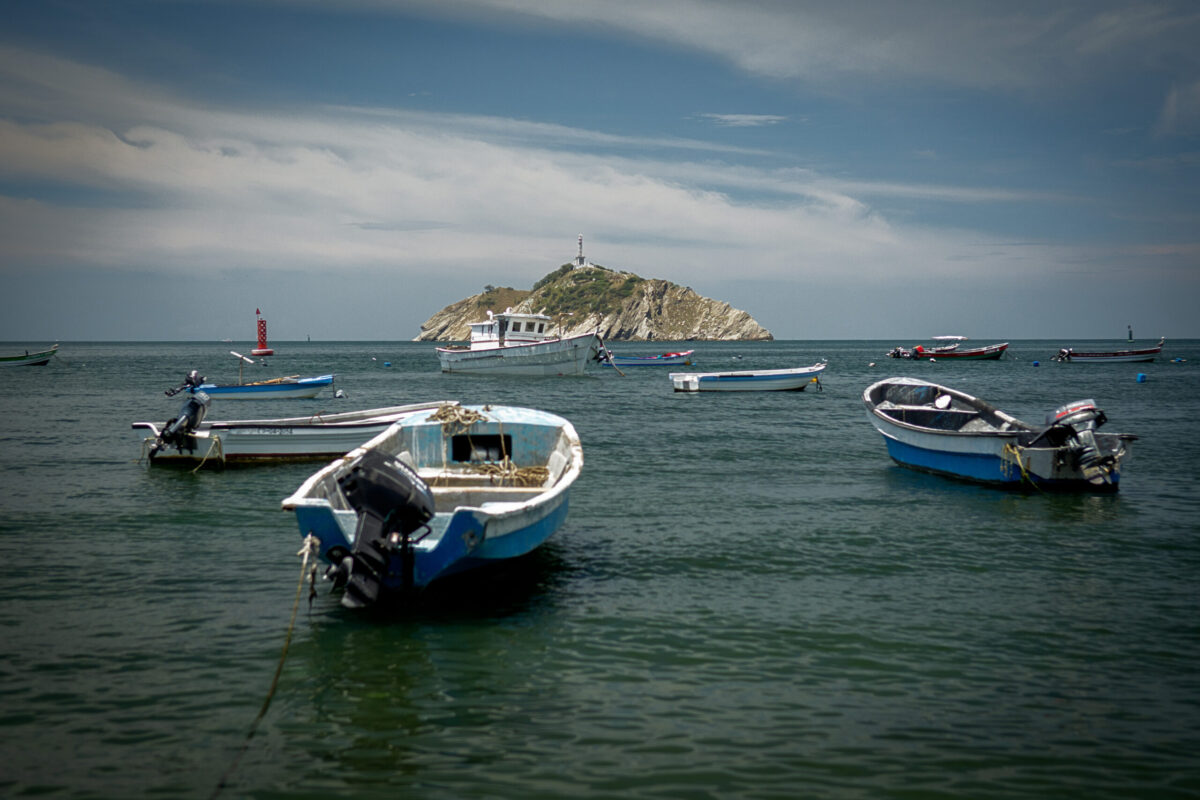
x=748, y=598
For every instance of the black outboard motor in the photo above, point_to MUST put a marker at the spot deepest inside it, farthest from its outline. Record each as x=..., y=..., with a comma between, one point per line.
x=392, y=503
x=1074, y=426
x=177, y=432
x=191, y=383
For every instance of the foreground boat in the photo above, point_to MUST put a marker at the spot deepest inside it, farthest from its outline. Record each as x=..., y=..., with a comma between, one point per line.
x=1111, y=356
x=514, y=343
x=989, y=352
x=39, y=359
x=681, y=359
x=196, y=441
x=941, y=430
x=764, y=380
x=438, y=494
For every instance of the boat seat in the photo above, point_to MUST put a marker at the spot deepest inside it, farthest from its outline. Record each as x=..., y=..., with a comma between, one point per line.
x=950, y=419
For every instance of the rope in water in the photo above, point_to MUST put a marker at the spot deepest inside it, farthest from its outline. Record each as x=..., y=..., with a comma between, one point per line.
x=309, y=547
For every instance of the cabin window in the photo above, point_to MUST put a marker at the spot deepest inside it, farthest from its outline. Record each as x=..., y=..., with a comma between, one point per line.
x=541, y=327
x=529, y=327
x=480, y=447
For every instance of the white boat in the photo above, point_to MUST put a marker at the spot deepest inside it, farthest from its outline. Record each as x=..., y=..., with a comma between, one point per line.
x=680, y=359
x=39, y=358
x=190, y=440
x=937, y=429
x=516, y=343
x=1111, y=356
x=763, y=380
x=438, y=494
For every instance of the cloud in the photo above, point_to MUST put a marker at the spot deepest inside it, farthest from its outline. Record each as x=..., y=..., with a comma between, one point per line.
x=1180, y=115
x=744, y=120
x=192, y=187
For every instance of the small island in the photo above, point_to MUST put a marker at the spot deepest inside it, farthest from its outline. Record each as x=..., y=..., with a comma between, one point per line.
x=582, y=297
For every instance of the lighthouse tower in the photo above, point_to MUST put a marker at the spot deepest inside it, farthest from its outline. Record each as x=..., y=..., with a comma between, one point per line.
x=262, y=349
x=580, y=261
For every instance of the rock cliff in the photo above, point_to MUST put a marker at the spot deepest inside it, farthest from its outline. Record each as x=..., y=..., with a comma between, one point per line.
x=621, y=305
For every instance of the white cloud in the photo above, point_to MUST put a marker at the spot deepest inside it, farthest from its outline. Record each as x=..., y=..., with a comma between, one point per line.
x=744, y=120
x=1180, y=114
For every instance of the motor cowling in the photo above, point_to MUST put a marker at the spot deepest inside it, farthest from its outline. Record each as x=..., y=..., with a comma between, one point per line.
x=177, y=431
x=1077, y=423
x=392, y=503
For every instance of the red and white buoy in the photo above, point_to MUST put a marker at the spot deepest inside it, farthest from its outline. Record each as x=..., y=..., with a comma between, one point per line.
x=262, y=349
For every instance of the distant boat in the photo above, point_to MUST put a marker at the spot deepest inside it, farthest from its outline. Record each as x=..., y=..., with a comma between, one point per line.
x=989, y=352
x=190, y=439
x=289, y=386
x=763, y=380
x=39, y=359
x=262, y=349
x=438, y=494
x=515, y=343
x=1110, y=356
x=683, y=359
x=937, y=429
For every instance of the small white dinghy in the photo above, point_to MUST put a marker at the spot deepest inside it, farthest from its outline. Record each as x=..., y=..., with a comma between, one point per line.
x=762, y=380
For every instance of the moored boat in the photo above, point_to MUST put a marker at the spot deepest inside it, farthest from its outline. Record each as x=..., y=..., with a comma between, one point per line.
x=680, y=359
x=763, y=380
x=937, y=429
x=289, y=386
x=1110, y=356
x=517, y=343
x=989, y=352
x=197, y=441
x=39, y=358
x=438, y=494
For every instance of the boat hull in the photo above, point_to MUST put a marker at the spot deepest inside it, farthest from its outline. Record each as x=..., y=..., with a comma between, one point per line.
x=777, y=380
x=665, y=360
x=1110, y=357
x=480, y=518
x=551, y=357
x=38, y=359
x=315, y=437
x=1005, y=454
x=303, y=388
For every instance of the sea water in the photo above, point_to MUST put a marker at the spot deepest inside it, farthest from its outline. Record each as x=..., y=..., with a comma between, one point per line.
x=748, y=598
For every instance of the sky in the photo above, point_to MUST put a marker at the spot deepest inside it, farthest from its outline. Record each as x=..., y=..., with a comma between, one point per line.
x=859, y=169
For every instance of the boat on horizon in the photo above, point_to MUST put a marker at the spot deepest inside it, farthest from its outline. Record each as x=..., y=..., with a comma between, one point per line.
x=608, y=358
x=39, y=358
x=438, y=494
x=954, y=350
x=933, y=428
x=1110, y=356
x=519, y=343
x=795, y=379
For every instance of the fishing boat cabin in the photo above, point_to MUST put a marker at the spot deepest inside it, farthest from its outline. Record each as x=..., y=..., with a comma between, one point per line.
x=510, y=328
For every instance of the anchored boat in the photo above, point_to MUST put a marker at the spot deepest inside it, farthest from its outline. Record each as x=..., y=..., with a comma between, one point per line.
x=763, y=380
x=681, y=359
x=37, y=359
x=942, y=430
x=1111, y=356
x=516, y=343
x=438, y=494
x=289, y=386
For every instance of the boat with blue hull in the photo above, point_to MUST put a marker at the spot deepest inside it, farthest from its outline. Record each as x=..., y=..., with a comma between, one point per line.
x=680, y=359
x=289, y=386
x=795, y=379
x=937, y=429
x=438, y=494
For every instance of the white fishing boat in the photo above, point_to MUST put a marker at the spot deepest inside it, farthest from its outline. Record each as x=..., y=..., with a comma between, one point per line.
x=941, y=430
x=191, y=440
x=763, y=380
x=438, y=494
x=517, y=343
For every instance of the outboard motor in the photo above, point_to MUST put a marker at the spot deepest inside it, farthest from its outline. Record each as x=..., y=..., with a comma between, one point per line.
x=392, y=503
x=1074, y=426
x=1064, y=354
x=191, y=383
x=177, y=432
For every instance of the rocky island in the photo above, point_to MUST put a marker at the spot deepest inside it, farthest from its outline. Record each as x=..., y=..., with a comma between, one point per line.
x=582, y=297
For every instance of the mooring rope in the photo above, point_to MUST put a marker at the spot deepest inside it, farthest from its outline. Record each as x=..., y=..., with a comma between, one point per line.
x=214, y=444
x=1009, y=453
x=309, y=547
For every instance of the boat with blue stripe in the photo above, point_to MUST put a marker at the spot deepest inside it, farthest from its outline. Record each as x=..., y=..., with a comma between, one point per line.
x=437, y=494
x=933, y=428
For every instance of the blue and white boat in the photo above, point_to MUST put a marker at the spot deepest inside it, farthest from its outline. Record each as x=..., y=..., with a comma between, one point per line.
x=273, y=388
x=438, y=494
x=937, y=429
x=680, y=359
x=763, y=380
